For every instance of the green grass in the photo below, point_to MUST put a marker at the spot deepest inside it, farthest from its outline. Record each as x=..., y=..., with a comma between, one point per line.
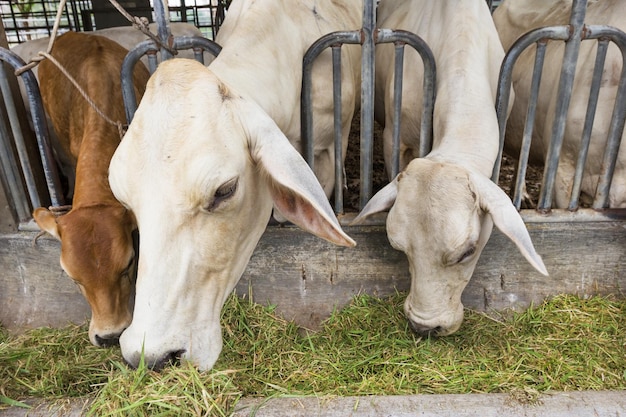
x=365, y=349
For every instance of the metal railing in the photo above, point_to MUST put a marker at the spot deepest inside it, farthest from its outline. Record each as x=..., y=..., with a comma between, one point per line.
x=572, y=34
x=368, y=37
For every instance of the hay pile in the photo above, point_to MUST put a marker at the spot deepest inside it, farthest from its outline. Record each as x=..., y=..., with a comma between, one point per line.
x=367, y=348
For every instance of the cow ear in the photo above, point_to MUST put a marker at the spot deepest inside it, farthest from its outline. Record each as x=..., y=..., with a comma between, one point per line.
x=506, y=218
x=296, y=191
x=47, y=221
x=382, y=201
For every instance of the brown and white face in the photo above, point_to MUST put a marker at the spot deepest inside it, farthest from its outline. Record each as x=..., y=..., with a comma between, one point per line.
x=201, y=169
x=97, y=253
x=441, y=216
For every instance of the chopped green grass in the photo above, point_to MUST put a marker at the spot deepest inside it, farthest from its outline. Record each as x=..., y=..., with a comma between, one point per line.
x=367, y=348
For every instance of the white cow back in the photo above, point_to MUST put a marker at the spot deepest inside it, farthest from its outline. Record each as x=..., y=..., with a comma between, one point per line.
x=263, y=43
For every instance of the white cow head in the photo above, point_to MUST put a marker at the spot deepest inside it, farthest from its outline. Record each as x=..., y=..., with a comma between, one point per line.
x=441, y=216
x=201, y=168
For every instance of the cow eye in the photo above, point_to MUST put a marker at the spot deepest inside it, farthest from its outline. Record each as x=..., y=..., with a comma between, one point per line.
x=467, y=254
x=223, y=193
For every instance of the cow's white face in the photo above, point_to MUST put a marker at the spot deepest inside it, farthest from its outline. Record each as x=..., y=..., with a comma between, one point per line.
x=201, y=168
x=441, y=216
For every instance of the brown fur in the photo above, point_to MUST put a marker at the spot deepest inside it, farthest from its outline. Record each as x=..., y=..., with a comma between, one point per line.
x=96, y=235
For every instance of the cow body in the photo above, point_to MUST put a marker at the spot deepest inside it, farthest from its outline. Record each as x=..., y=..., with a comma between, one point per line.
x=96, y=235
x=443, y=206
x=513, y=19
x=204, y=161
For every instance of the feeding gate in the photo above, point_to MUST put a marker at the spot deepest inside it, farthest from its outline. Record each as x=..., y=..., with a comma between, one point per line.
x=307, y=278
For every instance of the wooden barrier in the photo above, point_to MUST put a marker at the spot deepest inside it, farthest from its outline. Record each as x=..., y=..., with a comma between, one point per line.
x=306, y=278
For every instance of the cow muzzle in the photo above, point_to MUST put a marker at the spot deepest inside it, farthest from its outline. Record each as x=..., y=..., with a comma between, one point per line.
x=434, y=325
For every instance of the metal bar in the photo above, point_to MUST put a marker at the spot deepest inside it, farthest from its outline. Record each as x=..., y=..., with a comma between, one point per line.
x=568, y=70
x=306, y=111
x=592, y=105
x=53, y=181
x=429, y=83
x=520, y=178
x=616, y=127
x=505, y=79
x=12, y=175
x=337, y=128
x=18, y=138
x=367, y=100
x=397, y=107
x=130, y=60
x=163, y=24
x=188, y=42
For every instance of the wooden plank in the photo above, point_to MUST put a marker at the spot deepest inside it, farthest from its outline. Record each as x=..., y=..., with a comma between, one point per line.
x=306, y=277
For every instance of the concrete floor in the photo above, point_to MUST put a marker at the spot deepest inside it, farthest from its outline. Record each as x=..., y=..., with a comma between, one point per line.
x=558, y=404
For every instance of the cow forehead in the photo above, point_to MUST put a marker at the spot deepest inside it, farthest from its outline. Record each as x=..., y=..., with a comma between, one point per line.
x=188, y=136
x=94, y=248
x=435, y=206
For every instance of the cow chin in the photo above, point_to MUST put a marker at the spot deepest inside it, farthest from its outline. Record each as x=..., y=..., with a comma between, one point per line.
x=442, y=323
x=200, y=347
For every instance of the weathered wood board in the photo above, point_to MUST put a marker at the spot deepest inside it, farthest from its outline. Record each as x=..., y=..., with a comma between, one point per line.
x=306, y=278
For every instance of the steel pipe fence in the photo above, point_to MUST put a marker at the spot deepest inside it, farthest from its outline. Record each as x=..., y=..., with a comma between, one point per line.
x=572, y=34
x=19, y=178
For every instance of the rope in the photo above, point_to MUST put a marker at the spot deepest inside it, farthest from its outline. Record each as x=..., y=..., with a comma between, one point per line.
x=141, y=23
x=55, y=28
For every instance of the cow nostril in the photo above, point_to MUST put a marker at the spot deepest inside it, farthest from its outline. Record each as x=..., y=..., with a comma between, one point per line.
x=425, y=331
x=108, y=341
x=171, y=358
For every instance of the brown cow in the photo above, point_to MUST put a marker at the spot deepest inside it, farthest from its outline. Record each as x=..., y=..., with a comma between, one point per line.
x=96, y=234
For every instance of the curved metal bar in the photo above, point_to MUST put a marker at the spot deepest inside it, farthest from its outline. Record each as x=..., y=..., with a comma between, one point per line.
x=128, y=90
x=38, y=116
x=618, y=119
x=585, y=141
x=306, y=112
x=430, y=81
x=520, y=177
x=188, y=42
x=505, y=80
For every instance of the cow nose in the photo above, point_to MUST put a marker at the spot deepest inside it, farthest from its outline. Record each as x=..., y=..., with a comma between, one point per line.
x=108, y=340
x=425, y=331
x=171, y=358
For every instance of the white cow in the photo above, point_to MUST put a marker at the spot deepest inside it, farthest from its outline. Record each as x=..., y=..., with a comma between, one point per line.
x=204, y=161
x=443, y=206
x=516, y=17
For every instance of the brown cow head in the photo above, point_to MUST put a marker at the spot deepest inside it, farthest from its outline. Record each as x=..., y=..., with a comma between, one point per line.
x=97, y=253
